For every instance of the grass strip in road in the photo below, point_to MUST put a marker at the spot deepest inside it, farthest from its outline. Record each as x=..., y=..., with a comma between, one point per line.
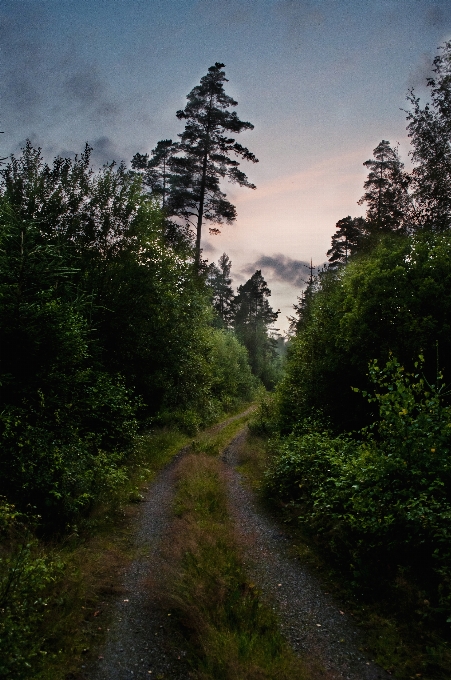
x=232, y=634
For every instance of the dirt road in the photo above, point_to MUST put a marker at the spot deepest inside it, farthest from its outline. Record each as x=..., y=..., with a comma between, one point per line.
x=143, y=640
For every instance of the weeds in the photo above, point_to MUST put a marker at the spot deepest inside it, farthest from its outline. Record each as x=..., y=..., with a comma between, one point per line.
x=232, y=634
x=56, y=596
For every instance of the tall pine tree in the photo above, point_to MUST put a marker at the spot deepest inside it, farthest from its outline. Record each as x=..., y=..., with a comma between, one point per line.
x=206, y=147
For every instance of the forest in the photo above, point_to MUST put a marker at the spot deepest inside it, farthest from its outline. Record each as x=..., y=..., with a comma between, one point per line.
x=115, y=326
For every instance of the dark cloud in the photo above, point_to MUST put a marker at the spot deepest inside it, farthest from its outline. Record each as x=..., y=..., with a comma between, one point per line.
x=421, y=71
x=85, y=86
x=207, y=247
x=282, y=268
x=20, y=66
x=43, y=86
x=300, y=15
x=435, y=16
x=104, y=151
x=90, y=93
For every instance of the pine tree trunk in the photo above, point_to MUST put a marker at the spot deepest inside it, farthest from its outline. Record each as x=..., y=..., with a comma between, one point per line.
x=200, y=213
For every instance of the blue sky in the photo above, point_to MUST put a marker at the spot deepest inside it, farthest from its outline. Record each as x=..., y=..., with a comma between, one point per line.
x=323, y=83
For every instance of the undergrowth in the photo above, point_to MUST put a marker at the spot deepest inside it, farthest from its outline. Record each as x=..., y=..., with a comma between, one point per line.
x=55, y=594
x=396, y=619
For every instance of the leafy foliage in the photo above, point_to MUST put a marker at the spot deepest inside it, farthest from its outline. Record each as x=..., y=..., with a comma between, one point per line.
x=395, y=298
x=382, y=499
x=104, y=324
x=26, y=573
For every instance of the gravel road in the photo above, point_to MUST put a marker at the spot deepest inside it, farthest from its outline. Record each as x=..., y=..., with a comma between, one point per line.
x=310, y=619
x=142, y=642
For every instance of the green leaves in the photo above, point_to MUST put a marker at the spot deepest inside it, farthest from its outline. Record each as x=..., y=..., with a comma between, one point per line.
x=385, y=497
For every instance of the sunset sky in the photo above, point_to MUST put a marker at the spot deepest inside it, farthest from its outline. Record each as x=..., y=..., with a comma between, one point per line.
x=323, y=83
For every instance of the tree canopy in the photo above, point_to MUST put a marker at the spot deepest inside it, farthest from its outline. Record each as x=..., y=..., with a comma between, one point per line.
x=188, y=174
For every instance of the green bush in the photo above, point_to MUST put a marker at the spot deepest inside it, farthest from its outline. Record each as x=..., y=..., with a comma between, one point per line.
x=226, y=382
x=26, y=577
x=104, y=325
x=385, y=499
x=396, y=299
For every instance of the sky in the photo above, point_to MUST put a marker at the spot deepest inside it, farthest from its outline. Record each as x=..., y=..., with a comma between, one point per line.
x=322, y=82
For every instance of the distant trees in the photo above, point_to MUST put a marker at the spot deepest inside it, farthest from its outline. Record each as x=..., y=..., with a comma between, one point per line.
x=220, y=281
x=252, y=318
x=187, y=175
x=249, y=316
x=388, y=206
x=156, y=170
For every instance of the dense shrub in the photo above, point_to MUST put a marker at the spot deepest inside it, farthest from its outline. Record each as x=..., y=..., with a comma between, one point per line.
x=104, y=325
x=385, y=499
x=26, y=573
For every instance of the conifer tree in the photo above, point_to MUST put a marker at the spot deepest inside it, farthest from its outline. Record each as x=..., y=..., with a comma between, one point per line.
x=252, y=317
x=206, y=145
x=156, y=169
x=346, y=240
x=386, y=190
x=219, y=280
x=430, y=131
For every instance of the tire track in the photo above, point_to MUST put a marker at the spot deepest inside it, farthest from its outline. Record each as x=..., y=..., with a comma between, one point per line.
x=310, y=619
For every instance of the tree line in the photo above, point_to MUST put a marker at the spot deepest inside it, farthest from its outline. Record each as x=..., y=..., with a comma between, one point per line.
x=110, y=318
x=361, y=421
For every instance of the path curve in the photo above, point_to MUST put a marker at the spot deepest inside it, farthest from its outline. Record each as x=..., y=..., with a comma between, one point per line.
x=310, y=619
x=141, y=637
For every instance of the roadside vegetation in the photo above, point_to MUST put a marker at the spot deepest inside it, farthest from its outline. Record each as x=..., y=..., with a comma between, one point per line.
x=109, y=332
x=360, y=426
x=120, y=344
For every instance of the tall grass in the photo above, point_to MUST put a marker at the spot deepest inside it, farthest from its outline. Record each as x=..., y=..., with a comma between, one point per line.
x=232, y=634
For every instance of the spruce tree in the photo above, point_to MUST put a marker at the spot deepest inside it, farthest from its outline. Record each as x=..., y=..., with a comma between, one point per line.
x=346, y=240
x=219, y=280
x=386, y=190
x=430, y=132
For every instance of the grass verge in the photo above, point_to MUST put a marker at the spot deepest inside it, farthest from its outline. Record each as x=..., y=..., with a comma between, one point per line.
x=395, y=624
x=230, y=632
x=94, y=560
